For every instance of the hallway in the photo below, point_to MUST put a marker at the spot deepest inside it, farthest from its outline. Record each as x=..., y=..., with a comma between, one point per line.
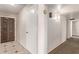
x=71, y=46
x=20, y=25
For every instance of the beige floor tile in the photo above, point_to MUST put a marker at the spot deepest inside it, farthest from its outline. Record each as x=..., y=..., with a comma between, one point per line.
x=12, y=48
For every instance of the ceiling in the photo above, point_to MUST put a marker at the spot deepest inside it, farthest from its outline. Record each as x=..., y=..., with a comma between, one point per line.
x=70, y=8
x=65, y=8
x=15, y=9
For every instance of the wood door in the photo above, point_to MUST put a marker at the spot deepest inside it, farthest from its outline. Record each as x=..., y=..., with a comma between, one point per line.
x=7, y=29
x=11, y=30
x=4, y=29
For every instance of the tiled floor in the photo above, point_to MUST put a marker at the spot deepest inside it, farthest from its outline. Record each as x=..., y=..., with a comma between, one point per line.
x=12, y=48
x=71, y=46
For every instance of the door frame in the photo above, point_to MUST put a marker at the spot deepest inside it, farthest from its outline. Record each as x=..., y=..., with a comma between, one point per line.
x=14, y=24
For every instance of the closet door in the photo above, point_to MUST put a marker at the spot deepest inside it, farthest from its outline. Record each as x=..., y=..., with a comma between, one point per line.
x=4, y=29
x=11, y=29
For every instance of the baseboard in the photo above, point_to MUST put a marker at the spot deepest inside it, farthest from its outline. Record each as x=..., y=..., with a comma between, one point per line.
x=75, y=35
x=55, y=47
x=24, y=47
x=69, y=38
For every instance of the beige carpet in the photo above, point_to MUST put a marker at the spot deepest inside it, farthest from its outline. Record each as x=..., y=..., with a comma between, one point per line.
x=71, y=46
x=12, y=48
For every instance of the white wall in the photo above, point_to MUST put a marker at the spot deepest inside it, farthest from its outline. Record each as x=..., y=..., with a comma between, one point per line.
x=75, y=27
x=2, y=14
x=63, y=28
x=72, y=28
x=42, y=29
x=56, y=32
x=27, y=22
x=69, y=29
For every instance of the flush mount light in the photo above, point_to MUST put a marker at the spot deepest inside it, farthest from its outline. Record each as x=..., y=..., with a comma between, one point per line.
x=59, y=7
x=45, y=11
x=12, y=4
x=32, y=10
x=56, y=17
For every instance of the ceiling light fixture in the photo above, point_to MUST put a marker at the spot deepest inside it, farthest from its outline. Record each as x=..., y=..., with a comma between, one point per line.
x=59, y=7
x=32, y=10
x=12, y=4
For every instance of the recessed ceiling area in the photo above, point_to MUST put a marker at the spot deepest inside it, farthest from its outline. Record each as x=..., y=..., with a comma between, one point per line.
x=9, y=8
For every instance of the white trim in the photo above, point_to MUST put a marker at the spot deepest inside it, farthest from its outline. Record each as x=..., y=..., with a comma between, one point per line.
x=14, y=24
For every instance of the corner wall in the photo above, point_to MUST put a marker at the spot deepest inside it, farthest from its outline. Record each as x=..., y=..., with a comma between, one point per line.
x=42, y=29
x=56, y=32
x=27, y=28
x=69, y=29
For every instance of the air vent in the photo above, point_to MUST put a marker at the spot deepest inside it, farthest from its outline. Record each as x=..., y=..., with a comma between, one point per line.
x=72, y=19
